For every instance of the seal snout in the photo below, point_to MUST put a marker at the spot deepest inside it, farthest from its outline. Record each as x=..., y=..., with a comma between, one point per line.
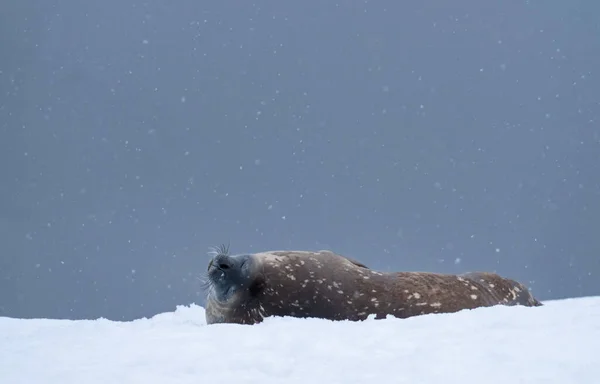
x=228, y=274
x=221, y=264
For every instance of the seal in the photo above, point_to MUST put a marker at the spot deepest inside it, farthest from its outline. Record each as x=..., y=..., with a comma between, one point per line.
x=247, y=288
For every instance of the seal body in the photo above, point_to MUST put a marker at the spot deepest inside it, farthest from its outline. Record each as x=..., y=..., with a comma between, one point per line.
x=246, y=288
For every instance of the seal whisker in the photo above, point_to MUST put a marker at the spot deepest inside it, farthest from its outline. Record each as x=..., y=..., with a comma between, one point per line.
x=219, y=250
x=206, y=283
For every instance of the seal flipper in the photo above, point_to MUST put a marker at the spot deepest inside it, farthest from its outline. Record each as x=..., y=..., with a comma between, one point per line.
x=353, y=261
x=356, y=262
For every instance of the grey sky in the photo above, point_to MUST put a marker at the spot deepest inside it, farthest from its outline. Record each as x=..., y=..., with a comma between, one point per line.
x=429, y=136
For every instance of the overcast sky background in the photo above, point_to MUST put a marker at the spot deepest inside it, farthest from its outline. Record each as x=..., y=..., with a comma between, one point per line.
x=439, y=136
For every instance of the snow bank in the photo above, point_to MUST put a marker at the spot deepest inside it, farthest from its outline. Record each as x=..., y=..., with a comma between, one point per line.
x=557, y=343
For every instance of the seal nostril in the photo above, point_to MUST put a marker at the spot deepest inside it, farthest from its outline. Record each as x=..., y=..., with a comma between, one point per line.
x=223, y=266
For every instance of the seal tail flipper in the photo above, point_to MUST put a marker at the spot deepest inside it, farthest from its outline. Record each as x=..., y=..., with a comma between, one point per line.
x=536, y=302
x=502, y=290
x=523, y=295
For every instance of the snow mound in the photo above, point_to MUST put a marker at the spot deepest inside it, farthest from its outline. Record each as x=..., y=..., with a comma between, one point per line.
x=556, y=343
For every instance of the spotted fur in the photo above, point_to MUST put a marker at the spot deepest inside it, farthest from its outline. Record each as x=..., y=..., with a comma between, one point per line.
x=330, y=286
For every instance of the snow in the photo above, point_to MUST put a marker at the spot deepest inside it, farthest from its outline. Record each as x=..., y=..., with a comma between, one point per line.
x=556, y=343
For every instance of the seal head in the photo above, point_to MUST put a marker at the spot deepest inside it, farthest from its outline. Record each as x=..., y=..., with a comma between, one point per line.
x=234, y=283
x=228, y=275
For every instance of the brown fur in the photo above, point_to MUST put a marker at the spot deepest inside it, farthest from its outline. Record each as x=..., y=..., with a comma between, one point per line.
x=330, y=286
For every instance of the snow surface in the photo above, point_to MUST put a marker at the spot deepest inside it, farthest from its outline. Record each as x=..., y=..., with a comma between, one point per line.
x=557, y=343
